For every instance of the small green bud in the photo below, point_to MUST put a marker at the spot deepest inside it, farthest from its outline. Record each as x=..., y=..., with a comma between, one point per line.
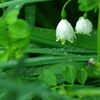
x=63, y=14
x=85, y=15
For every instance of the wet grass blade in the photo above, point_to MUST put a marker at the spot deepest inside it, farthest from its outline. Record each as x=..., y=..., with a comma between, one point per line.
x=18, y=2
x=46, y=60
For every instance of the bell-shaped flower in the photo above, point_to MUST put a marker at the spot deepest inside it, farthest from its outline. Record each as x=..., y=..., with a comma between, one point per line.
x=65, y=31
x=84, y=26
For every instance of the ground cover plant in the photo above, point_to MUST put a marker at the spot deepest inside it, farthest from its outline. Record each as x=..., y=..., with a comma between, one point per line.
x=49, y=49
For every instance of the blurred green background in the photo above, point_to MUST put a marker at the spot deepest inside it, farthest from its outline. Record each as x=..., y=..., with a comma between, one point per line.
x=47, y=14
x=47, y=54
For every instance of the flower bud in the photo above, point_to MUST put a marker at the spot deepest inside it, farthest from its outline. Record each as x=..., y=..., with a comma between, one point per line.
x=92, y=61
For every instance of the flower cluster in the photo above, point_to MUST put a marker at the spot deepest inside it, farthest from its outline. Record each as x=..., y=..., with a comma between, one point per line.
x=65, y=31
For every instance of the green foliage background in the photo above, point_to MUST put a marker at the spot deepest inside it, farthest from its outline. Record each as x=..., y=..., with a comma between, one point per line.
x=40, y=68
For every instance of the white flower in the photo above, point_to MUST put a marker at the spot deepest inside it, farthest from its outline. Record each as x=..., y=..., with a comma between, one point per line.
x=64, y=31
x=84, y=26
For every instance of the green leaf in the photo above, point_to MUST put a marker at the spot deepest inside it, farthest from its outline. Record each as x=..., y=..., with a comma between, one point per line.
x=19, y=43
x=10, y=8
x=48, y=78
x=87, y=5
x=5, y=4
x=69, y=73
x=19, y=29
x=3, y=33
x=62, y=91
x=87, y=91
x=81, y=75
x=91, y=97
x=12, y=16
x=42, y=36
x=47, y=60
x=17, y=46
x=30, y=14
x=3, y=56
x=3, y=48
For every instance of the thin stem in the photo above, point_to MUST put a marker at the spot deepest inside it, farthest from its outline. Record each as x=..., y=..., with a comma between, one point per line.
x=4, y=7
x=63, y=12
x=65, y=4
x=98, y=38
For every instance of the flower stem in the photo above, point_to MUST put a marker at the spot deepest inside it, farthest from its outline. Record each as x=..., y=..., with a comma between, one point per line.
x=63, y=12
x=98, y=37
x=3, y=9
x=66, y=4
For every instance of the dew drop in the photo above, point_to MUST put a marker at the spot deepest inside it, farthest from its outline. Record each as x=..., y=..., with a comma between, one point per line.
x=44, y=96
x=50, y=31
x=70, y=60
x=30, y=17
x=2, y=94
x=41, y=29
x=62, y=49
x=79, y=55
x=54, y=54
x=44, y=84
x=82, y=50
x=65, y=53
x=54, y=49
x=17, y=6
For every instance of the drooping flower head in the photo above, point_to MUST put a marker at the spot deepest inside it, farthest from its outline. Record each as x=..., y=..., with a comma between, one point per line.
x=64, y=30
x=84, y=26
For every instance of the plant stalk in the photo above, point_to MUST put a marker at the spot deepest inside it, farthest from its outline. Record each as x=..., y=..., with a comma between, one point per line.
x=66, y=4
x=3, y=9
x=63, y=12
x=98, y=36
